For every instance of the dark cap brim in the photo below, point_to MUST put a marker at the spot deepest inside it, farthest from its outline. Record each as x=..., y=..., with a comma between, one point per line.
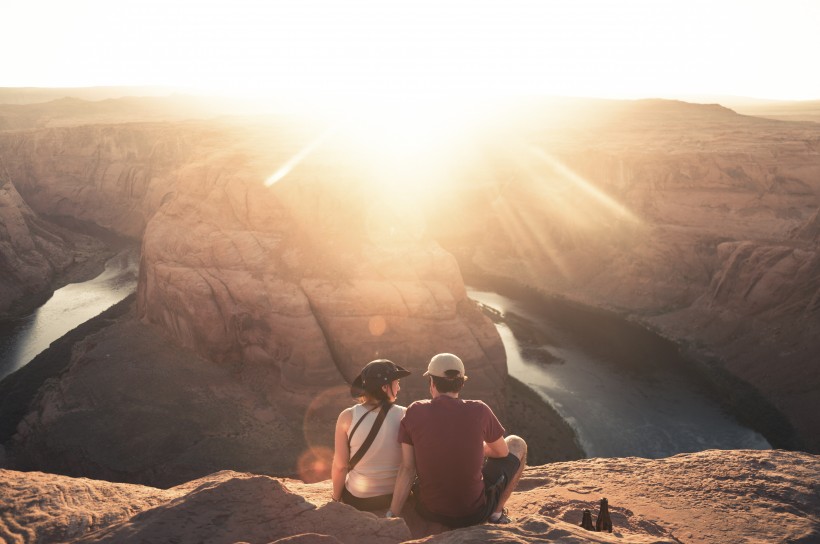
x=356, y=389
x=401, y=372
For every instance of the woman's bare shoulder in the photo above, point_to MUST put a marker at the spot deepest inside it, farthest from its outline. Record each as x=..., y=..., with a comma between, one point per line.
x=345, y=417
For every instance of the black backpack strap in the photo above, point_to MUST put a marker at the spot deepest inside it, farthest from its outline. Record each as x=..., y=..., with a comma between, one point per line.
x=370, y=437
x=356, y=426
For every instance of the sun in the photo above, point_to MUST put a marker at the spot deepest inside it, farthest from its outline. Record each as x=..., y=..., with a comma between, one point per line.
x=410, y=146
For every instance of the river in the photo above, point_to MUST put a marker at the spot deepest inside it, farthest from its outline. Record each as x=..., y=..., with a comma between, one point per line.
x=624, y=390
x=23, y=339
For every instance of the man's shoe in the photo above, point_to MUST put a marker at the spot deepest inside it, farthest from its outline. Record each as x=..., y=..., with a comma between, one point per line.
x=503, y=519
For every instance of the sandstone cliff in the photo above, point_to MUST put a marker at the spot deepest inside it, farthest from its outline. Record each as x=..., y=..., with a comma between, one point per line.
x=281, y=294
x=287, y=281
x=698, y=222
x=695, y=221
x=708, y=497
x=291, y=284
x=113, y=176
x=37, y=256
x=119, y=400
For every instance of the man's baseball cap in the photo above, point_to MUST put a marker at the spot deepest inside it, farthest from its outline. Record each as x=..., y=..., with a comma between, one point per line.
x=441, y=363
x=376, y=374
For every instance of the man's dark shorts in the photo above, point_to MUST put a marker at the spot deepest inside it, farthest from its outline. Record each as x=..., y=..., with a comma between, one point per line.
x=498, y=473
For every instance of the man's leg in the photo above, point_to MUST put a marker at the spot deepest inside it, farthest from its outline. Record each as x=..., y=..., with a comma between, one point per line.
x=518, y=448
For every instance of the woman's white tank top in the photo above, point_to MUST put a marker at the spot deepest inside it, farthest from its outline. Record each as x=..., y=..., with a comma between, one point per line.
x=375, y=474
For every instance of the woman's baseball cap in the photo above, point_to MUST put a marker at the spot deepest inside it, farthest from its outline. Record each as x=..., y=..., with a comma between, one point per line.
x=376, y=374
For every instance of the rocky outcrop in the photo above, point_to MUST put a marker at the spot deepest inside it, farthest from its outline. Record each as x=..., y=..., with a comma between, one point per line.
x=114, y=176
x=709, y=497
x=132, y=406
x=697, y=222
x=36, y=255
x=283, y=292
x=290, y=274
x=300, y=283
x=120, y=400
x=292, y=284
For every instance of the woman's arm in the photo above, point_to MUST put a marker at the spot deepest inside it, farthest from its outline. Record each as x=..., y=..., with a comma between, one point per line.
x=341, y=453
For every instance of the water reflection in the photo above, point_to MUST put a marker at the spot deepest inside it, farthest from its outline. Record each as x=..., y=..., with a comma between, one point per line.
x=22, y=340
x=645, y=406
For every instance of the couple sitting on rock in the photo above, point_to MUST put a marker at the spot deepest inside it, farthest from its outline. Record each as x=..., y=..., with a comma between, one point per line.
x=451, y=452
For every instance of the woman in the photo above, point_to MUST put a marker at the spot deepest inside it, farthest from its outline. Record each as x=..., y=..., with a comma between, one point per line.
x=368, y=484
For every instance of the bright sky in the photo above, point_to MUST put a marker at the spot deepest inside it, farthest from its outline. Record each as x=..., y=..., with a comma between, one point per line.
x=606, y=48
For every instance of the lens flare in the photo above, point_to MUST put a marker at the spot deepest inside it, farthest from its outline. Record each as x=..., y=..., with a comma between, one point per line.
x=294, y=161
x=320, y=417
x=314, y=464
x=377, y=325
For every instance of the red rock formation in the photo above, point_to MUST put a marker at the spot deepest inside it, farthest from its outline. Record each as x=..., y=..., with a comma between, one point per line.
x=709, y=497
x=287, y=282
x=35, y=255
x=131, y=405
x=114, y=176
x=696, y=221
x=284, y=288
x=294, y=278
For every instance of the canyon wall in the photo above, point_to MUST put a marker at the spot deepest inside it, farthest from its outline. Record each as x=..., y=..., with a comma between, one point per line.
x=115, y=176
x=36, y=255
x=296, y=285
x=304, y=281
x=698, y=222
x=90, y=176
x=257, y=303
x=287, y=268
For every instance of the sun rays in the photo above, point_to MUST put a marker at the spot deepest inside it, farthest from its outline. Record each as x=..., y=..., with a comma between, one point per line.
x=301, y=155
x=547, y=211
x=407, y=154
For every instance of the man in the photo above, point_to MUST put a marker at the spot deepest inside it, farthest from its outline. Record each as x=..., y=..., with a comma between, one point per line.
x=445, y=441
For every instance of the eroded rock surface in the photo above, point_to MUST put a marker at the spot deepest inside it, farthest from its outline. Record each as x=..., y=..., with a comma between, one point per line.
x=710, y=497
x=288, y=287
x=696, y=221
x=307, y=279
x=132, y=406
x=36, y=255
x=115, y=176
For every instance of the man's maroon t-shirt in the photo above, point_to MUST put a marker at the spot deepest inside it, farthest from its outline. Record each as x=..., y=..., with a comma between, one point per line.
x=448, y=437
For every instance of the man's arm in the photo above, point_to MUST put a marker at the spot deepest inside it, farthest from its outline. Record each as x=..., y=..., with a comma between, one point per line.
x=497, y=449
x=404, y=480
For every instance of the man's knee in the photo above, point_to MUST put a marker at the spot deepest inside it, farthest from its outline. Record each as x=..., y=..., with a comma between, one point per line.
x=517, y=446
